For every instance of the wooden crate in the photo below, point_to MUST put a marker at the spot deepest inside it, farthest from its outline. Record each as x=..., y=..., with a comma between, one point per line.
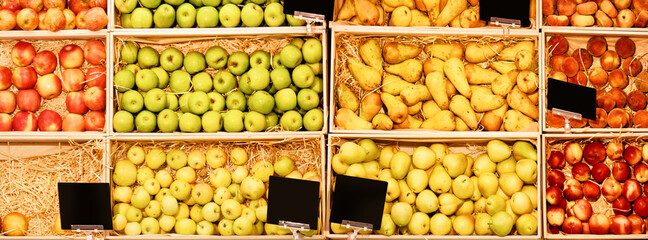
x=472, y=146
x=596, y=24
x=307, y=152
x=343, y=48
x=578, y=39
x=555, y=142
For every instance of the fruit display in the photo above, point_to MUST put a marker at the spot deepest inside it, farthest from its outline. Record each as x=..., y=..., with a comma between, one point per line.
x=229, y=85
x=52, y=85
x=436, y=83
x=205, y=188
x=457, y=188
x=403, y=13
x=29, y=173
x=202, y=14
x=611, y=65
x=53, y=15
x=596, y=185
x=600, y=13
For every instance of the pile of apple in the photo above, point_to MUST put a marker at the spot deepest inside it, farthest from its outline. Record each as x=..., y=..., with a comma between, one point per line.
x=616, y=74
x=33, y=82
x=247, y=93
x=460, y=86
x=601, y=13
x=53, y=15
x=204, y=193
x=613, y=175
x=203, y=14
x=14, y=224
x=433, y=191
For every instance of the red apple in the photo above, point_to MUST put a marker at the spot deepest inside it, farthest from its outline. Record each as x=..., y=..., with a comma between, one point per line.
x=95, y=52
x=5, y=122
x=48, y=86
x=5, y=77
x=28, y=100
x=96, y=19
x=614, y=150
x=591, y=190
x=73, y=79
x=44, y=62
x=55, y=19
x=73, y=123
x=554, y=195
x=95, y=121
x=99, y=3
x=74, y=103
x=600, y=172
x=581, y=171
x=7, y=20
x=631, y=189
x=620, y=225
x=611, y=189
x=33, y=4
x=621, y=171
x=80, y=21
x=632, y=155
x=24, y=77
x=582, y=209
x=599, y=224
x=572, y=225
x=621, y=206
x=49, y=120
x=27, y=19
x=22, y=53
x=555, y=215
x=641, y=172
x=71, y=56
x=77, y=5
x=594, y=153
x=11, y=5
x=95, y=98
x=573, y=153
x=572, y=190
x=70, y=19
x=556, y=178
x=96, y=77
x=556, y=159
x=640, y=206
x=7, y=102
x=586, y=228
x=637, y=223
x=25, y=121
x=41, y=20
x=60, y=4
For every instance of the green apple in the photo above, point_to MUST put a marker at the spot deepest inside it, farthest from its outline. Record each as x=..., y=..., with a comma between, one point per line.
x=174, y=3
x=132, y=101
x=291, y=120
x=128, y=52
x=155, y=100
x=122, y=208
x=220, y=177
x=124, y=80
x=262, y=170
x=220, y=195
x=176, y=159
x=290, y=56
x=150, y=226
x=244, y=84
x=318, y=85
x=167, y=121
x=271, y=120
x=236, y=101
x=136, y=154
x=259, y=78
x=312, y=50
x=233, y=121
x=171, y=58
x=151, y=4
x=307, y=99
x=196, y=159
x=224, y=81
x=124, y=173
x=216, y=57
x=226, y=227
x=166, y=223
x=186, y=15
x=230, y=15
x=274, y=15
x=199, y=103
x=303, y=76
x=180, y=81
x=261, y=101
x=238, y=62
x=180, y=189
x=123, y=121
x=183, y=209
x=242, y=226
x=252, y=188
x=318, y=67
x=162, y=75
x=217, y=101
x=284, y=166
x=211, y=212
x=152, y=186
x=133, y=214
x=194, y=62
x=185, y=226
x=147, y=57
x=260, y=58
x=254, y=121
x=239, y=173
x=313, y=120
x=285, y=99
x=145, y=121
x=280, y=78
x=144, y=173
x=125, y=6
x=190, y=122
x=155, y=158
x=119, y=222
x=133, y=68
x=164, y=178
x=164, y=16
x=235, y=191
x=205, y=228
x=293, y=21
x=212, y=121
x=133, y=228
x=125, y=20
x=184, y=102
x=251, y=15
x=215, y=157
x=231, y=209
x=298, y=42
x=202, y=193
x=238, y=156
x=207, y=17
x=213, y=3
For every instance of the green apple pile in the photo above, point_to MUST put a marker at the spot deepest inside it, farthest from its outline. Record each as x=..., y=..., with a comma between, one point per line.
x=219, y=91
x=440, y=192
x=204, y=193
x=203, y=13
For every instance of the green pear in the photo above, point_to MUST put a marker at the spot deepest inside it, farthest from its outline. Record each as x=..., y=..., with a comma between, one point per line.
x=351, y=153
x=386, y=155
x=464, y=224
x=510, y=183
x=401, y=213
x=469, y=163
x=509, y=210
x=372, y=168
x=371, y=53
x=526, y=170
x=410, y=70
x=449, y=203
x=400, y=164
x=338, y=166
x=498, y=150
x=427, y=201
x=480, y=205
x=368, y=77
x=501, y=223
x=356, y=170
x=521, y=203
x=441, y=224
x=455, y=164
x=495, y=204
x=506, y=166
x=423, y=157
x=532, y=192
x=383, y=175
x=488, y=184
x=440, y=150
x=526, y=224
x=481, y=224
x=476, y=195
x=124, y=173
x=393, y=190
x=387, y=226
x=467, y=207
x=406, y=194
x=373, y=152
x=524, y=150
x=417, y=180
x=462, y=187
x=483, y=164
x=419, y=224
x=440, y=181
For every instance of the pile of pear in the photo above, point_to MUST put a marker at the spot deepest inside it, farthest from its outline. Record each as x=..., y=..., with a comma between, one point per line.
x=191, y=192
x=436, y=191
x=403, y=13
x=449, y=86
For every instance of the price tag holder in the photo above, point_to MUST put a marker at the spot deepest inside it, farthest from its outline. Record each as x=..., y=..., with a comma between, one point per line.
x=358, y=203
x=293, y=204
x=571, y=101
x=310, y=11
x=505, y=13
x=85, y=207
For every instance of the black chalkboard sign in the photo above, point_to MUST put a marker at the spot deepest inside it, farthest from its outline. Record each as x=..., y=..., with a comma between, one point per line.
x=571, y=97
x=85, y=204
x=506, y=9
x=293, y=200
x=359, y=200
x=323, y=7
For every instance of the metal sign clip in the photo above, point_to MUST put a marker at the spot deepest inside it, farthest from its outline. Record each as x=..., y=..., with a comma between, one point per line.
x=310, y=19
x=356, y=227
x=506, y=24
x=294, y=227
x=567, y=115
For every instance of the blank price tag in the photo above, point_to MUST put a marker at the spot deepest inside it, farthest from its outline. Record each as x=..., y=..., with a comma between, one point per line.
x=293, y=200
x=322, y=7
x=85, y=204
x=359, y=200
x=505, y=9
x=571, y=97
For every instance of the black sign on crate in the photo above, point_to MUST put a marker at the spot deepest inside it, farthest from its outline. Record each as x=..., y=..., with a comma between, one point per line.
x=322, y=8
x=85, y=206
x=358, y=202
x=293, y=203
x=572, y=98
x=505, y=11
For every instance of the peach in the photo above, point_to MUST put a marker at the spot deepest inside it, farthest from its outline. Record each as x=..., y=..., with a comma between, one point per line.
x=637, y=100
x=559, y=76
x=617, y=118
x=642, y=19
x=578, y=123
x=626, y=18
x=566, y=7
x=640, y=119
x=548, y=7
x=602, y=19
x=622, y=4
x=605, y=100
x=608, y=8
x=580, y=79
x=610, y=60
x=558, y=20
x=582, y=20
x=640, y=83
x=557, y=62
x=598, y=77
x=631, y=66
x=640, y=5
x=587, y=8
x=625, y=47
x=601, y=119
x=583, y=58
x=619, y=96
x=618, y=79
x=596, y=45
x=570, y=66
x=554, y=120
x=558, y=45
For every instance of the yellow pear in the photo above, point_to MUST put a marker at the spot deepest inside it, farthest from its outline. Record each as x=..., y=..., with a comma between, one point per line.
x=386, y=7
x=348, y=120
x=381, y=18
x=436, y=85
x=456, y=73
x=368, y=14
x=419, y=19
x=442, y=121
x=382, y=122
x=407, y=195
x=445, y=51
x=430, y=108
x=410, y=70
x=504, y=83
x=508, y=53
x=414, y=109
x=439, y=181
x=396, y=52
x=479, y=75
x=371, y=53
x=469, y=18
x=396, y=109
x=346, y=98
x=393, y=84
x=347, y=11
x=483, y=99
x=460, y=106
x=401, y=17
x=397, y=3
x=503, y=67
x=460, y=125
x=433, y=65
x=450, y=11
x=515, y=121
x=517, y=100
x=415, y=94
x=368, y=77
x=480, y=52
x=371, y=105
x=431, y=5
